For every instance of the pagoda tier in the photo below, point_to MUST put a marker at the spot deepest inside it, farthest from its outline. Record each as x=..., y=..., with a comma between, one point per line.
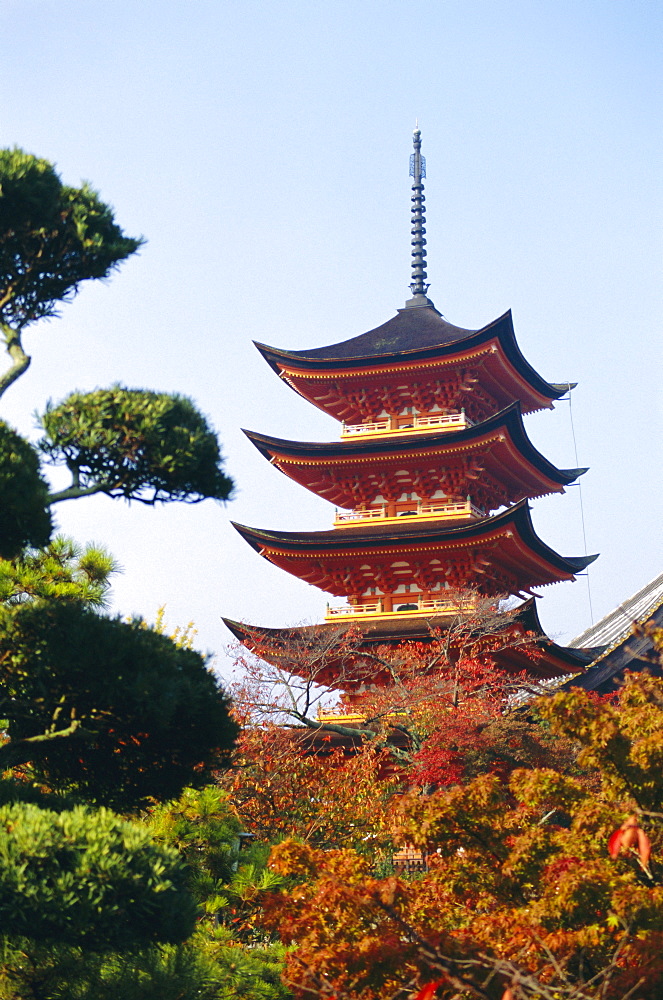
x=416, y=363
x=431, y=472
x=337, y=650
x=388, y=569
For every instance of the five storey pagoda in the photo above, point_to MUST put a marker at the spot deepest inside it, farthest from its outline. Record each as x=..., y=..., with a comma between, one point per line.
x=431, y=476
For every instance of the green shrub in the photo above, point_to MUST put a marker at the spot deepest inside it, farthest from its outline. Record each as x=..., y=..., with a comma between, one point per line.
x=89, y=878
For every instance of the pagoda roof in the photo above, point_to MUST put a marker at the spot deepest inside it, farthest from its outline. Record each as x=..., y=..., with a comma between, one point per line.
x=544, y=658
x=514, y=546
x=501, y=440
x=410, y=329
x=618, y=624
x=414, y=334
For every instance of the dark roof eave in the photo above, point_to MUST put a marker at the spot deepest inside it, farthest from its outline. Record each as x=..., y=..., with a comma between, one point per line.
x=502, y=328
x=510, y=418
x=631, y=652
x=518, y=514
x=405, y=630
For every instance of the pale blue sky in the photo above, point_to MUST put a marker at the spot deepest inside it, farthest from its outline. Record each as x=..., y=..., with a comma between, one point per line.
x=262, y=149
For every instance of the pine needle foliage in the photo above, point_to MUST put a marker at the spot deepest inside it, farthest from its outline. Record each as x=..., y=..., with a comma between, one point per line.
x=208, y=967
x=63, y=570
x=111, y=710
x=24, y=516
x=89, y=878
x=52, y=238
x=134, y=443
x=201, y=826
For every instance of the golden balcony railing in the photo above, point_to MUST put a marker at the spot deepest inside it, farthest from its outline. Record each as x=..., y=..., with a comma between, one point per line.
x=372, y=514
x=341, y=716
x=434, y=421
x=448, y=511
x=346, y=716
x=404, y=606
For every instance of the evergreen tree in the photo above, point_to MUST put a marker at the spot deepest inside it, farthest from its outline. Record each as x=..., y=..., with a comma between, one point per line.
x=52, y=238
x=109, y=708
x=24, y=515
x=96, y=709
x=135, y=444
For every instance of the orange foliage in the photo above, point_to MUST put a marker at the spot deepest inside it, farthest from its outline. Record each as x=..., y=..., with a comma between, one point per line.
x=278, y=790
x=521, y=898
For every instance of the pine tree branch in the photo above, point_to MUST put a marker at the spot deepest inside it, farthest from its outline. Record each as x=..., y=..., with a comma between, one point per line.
x=74, y=491
x=20, y=360
x=24, y=751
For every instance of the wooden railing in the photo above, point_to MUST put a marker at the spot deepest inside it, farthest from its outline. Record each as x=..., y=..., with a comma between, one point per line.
x=344, y=715
x=372, y=514
x=341, y=716
x=452, y=607
x=448, y=510
x=377, y=427
x=407, y=606
x=446, y=421
x=357, y=609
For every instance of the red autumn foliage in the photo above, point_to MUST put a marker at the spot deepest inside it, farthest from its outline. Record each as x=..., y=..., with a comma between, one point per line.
x=428, y=990
x=441, y=710
x=630, y=835
x=520, y=899
x=280, y=790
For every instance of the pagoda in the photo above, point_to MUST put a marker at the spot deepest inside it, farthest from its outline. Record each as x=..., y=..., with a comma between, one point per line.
x=431, y=478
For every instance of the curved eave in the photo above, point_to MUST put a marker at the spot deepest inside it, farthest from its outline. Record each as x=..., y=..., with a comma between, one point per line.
x=306, y=635
x=243, y=633
x=508, y=422
x=527, y=614
x=550, y=661
x=516, y=519
x=501, y=329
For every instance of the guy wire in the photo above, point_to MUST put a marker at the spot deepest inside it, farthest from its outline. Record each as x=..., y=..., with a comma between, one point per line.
x=582, y=509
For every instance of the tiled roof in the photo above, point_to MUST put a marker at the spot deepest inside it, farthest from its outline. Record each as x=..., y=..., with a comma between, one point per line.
x=413, y=335
x=407, y=330
x=508, y=419
x=617, y=625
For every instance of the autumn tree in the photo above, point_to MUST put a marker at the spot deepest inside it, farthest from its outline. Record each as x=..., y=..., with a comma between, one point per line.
x=280, y=786
x=540, y=885
x=442, y=710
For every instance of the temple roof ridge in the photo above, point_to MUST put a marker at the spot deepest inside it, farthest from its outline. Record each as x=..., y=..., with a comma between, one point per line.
x=408, y=331
x=619, y=623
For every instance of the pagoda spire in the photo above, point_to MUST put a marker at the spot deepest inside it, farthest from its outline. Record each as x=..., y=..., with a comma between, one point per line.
x=418, y=285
